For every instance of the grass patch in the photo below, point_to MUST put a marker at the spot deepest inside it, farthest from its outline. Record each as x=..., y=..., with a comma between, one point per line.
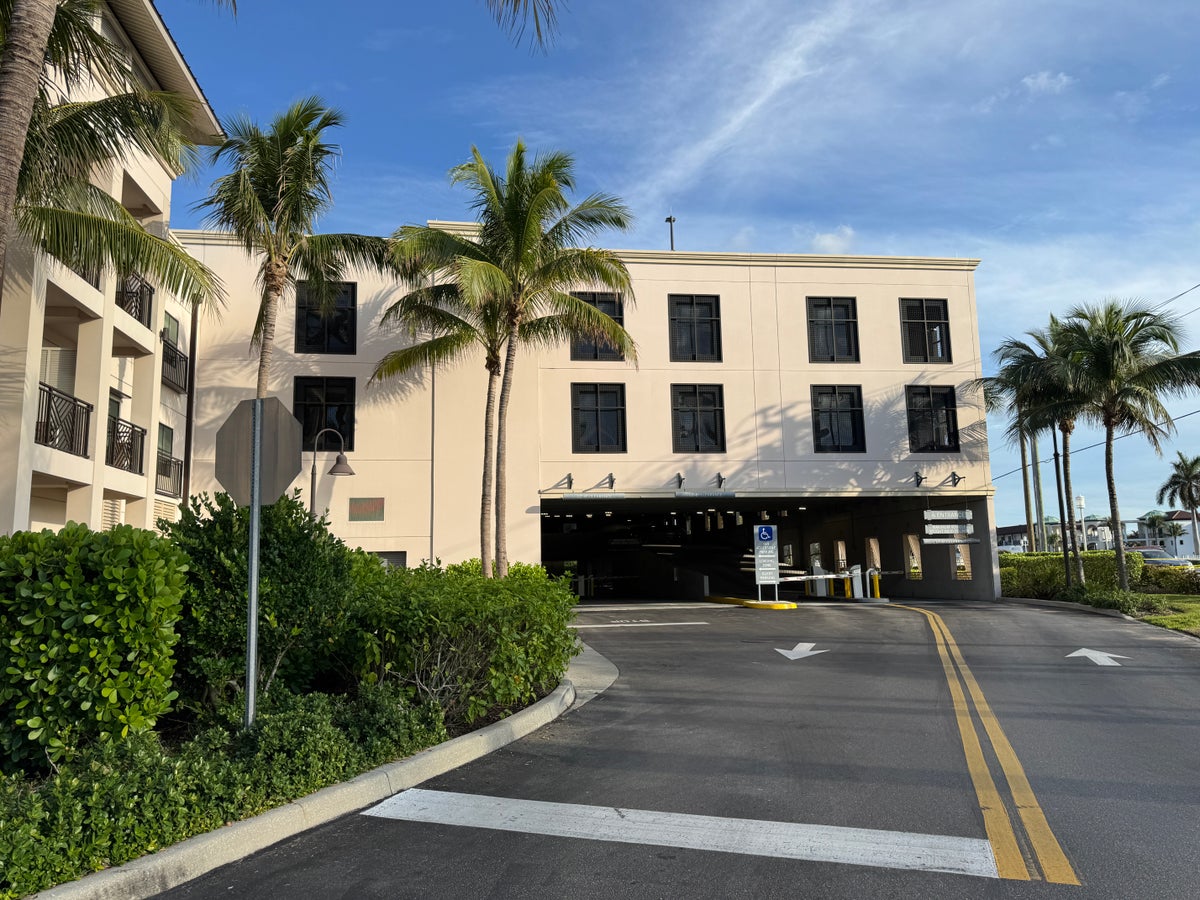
x=1182, y=613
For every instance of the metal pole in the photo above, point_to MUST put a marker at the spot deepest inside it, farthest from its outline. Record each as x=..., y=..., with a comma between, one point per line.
x=256, y=425
x=312, y=486
x=1062, y=511
x=671, y=223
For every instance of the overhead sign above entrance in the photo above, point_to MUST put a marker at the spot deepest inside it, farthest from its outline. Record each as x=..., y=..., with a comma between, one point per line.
x=766, y=555
x=952, y=515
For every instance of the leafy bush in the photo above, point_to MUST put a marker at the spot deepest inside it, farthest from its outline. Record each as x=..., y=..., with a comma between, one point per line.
x=302, y=592
x=1170, y=580
x=117, y=801
x=86, y=619
x=1040, y=576
x=475, y=646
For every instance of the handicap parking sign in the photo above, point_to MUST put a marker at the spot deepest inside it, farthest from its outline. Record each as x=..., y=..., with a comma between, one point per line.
x=766, y=533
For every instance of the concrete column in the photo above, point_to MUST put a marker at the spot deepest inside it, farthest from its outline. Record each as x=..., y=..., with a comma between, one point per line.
x=22, y=319
x=93, y=375
x=146, y=407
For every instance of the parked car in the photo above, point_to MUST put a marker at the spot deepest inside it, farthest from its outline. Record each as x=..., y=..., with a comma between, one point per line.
x=1156, y=556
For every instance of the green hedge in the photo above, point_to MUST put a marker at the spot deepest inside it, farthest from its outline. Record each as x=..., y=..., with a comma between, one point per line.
x=87, y=623
x=1170, y=579
x=476, y=646
x=117, y=801
x=1040, y=576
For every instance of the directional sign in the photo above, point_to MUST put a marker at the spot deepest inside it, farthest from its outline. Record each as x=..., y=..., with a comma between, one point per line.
x=961, y=528
x=766, y=555
x=281, y=437
x=1099, y=657
x=949, y=540
x=953, y=515
x=800, y=651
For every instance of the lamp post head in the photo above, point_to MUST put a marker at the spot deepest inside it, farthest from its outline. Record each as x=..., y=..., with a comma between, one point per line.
x=341, y=466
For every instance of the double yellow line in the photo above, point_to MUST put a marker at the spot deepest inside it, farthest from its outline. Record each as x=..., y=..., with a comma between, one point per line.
x=1011, y=863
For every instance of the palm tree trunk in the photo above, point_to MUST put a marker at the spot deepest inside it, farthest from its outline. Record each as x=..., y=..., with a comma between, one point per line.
x=20, y=72
x=1114, y=511
x=1195, y=535
x=510, y=361
x=1031, y=541
x=275, y=278
x=489, y=474
x=1043, y=543
x=1067, y=428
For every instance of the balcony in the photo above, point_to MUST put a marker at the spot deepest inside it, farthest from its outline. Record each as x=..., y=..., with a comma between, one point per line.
x=174, y=367
x=169, y=475
x=62, y=421
x=136, y=297
x=126, y=445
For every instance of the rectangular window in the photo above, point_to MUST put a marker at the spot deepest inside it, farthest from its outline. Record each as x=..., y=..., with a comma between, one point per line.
x=611, y=306
x=322, y=403
x=330, y=327
x=838, y=419
x=170, y=332
x=832, y=329
x=698, y=418
x=932, y=419
x=925, y=325
x=695, y=327
x=166, y=440
x=598, y=418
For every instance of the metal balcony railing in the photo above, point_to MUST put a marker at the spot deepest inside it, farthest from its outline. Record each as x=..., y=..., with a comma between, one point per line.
x=174, y=367
x=169, y=475
x=136, y=297
x=62, y=421
x=126, y=445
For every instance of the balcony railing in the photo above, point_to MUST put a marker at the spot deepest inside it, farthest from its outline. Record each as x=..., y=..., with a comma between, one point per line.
x=126, y=443
x=174, y=367
x=136, y=297
x=169, y=474
x=62, y=421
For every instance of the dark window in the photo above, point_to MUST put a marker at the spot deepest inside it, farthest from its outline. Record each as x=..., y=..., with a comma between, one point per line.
x=838, y=418
x=926, y=328
x=170, y=332
x=698, y=418
x=331, y=329
x=832, y=329
x=932, y=419
x=611, y=306
x=325, y=403
x=695, y=328
x=166, y=440
x=598, y=418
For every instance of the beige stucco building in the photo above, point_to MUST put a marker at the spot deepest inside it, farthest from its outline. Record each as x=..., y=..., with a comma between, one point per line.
x=94, y=366
x=827, y=395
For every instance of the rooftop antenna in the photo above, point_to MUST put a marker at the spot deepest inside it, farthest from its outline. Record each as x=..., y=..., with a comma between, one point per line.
x=670, y=220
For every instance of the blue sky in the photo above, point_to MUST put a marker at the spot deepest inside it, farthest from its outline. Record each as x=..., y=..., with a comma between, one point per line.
x=1055, y=140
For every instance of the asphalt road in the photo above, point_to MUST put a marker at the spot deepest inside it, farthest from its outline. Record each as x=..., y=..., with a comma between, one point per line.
x=957, y=752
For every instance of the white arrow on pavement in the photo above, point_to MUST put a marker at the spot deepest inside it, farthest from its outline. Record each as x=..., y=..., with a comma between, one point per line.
x=800, y=651
x=1099, y=657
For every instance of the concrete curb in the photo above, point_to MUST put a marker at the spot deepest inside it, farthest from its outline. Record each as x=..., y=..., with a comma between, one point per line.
x=149, y=875
x=1079, y=607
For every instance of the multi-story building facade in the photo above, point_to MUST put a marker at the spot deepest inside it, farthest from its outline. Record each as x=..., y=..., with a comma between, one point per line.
x=829, y=395
x=95, y=366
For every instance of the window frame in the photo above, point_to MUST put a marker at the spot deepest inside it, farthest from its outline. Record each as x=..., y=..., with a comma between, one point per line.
x=587, y=350
x=925, y=356
x=858, y=423
x=717, y=411
x=953, y=444
x=598, y=389
x=300, y=408
x=690, y=321
x=307, y=313
x=831, y=325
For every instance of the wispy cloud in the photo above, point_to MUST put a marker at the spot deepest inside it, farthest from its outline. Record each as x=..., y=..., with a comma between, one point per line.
x=1047, y=83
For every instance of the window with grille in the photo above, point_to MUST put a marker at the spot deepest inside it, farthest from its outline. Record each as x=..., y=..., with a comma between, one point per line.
x=925, y=325
x=698, y=418
x=838, y=419
x=598, y=418
x=611, y=306
x=325, y=403
x=695, y=327
x=832, y=329
x=932, y=419
x=329, y=327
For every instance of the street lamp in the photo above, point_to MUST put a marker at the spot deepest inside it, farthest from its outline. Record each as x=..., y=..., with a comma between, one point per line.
x=340, y=466
x=1079, y=504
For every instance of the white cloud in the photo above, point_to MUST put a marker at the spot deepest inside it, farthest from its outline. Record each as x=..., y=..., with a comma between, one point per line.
x=840, y=241
x=1047, y=83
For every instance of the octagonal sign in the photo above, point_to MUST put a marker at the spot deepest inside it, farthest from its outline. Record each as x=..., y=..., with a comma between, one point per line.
x=281, y=439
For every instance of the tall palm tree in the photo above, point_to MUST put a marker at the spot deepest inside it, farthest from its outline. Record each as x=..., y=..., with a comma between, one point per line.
x=525, y=262
x=1127, y=361
x=1183, y=487
x=270, y=200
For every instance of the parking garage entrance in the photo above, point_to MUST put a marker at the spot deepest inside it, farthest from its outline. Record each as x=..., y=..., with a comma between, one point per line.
x=686, y=548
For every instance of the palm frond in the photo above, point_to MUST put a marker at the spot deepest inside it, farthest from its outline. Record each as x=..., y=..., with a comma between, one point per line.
x=442, y=350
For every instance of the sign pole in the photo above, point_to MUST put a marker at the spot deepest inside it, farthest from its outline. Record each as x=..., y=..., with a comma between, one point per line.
x=256, y=429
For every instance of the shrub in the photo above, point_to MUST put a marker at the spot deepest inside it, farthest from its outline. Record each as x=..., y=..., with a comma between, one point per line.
x=475, y=646
x=1040, y=575
x=302, y=593
x=86, y=619
x=1170, y=579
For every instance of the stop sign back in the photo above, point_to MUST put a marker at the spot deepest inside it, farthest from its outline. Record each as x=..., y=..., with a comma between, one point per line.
x=281, y=439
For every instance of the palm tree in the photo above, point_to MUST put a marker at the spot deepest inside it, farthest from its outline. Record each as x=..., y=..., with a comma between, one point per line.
x=525, y=261
x=276, y=190
x=1003, y=391
x=1126, y=360
x=1183, y=488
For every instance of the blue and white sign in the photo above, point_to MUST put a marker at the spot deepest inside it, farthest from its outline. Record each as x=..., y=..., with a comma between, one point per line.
x=766, y=555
